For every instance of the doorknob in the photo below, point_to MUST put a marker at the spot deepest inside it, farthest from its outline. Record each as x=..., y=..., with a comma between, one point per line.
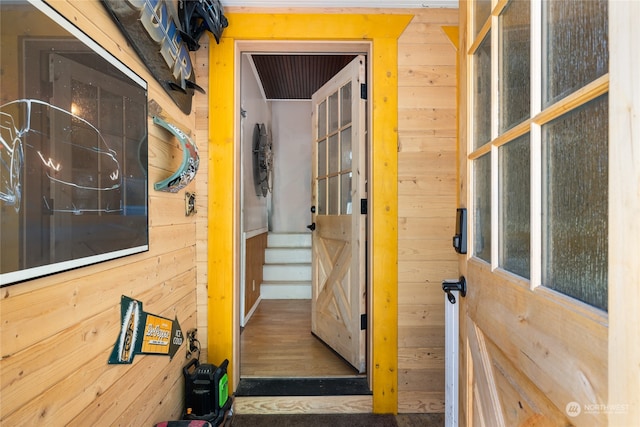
x=312, y=226
x=454, y=285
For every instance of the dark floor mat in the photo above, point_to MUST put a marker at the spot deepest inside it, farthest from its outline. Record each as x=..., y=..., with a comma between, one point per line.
x=302, y=387
x=314, y=420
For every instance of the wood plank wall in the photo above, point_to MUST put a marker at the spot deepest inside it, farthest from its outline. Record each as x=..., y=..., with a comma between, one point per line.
x=426, y=204
x=58, y=331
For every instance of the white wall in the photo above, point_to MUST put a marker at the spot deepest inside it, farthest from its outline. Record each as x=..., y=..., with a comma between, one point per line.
x=291, y=121
x=257, y=111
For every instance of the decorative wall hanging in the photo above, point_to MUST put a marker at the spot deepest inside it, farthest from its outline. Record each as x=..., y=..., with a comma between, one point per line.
x=163, y=37
x=153, y=29
x=190, y=160
x=262, y=160
x=73, y=148
x=144, y=333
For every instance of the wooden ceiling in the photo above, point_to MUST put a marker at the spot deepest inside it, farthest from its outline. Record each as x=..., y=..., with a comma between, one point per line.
x=296, y=76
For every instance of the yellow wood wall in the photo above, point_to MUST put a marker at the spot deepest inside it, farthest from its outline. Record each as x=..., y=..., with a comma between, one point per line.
x=426, y=204
x=57, y=332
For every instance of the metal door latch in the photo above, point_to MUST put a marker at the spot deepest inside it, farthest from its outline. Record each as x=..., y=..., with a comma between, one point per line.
x=454, y=285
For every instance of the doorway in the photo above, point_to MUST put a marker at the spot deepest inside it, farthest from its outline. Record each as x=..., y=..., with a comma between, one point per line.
x=381, y=32
x=276, y=339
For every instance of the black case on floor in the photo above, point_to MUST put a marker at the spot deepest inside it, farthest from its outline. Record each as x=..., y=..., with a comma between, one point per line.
x=206, y=391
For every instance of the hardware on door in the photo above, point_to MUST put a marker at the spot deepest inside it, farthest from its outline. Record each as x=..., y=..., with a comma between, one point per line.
x=454, y=285
x=312, y=226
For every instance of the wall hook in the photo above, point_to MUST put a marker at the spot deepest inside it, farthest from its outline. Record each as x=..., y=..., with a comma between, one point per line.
x=189, y=203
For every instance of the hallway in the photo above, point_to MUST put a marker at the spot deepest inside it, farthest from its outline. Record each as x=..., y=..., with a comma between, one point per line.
x=277, y=342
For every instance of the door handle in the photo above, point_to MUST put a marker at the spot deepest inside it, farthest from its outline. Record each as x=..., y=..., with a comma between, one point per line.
x=312, y=226
x=454, y=285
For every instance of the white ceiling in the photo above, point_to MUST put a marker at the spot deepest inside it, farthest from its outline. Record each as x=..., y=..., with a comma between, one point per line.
x=343, y=3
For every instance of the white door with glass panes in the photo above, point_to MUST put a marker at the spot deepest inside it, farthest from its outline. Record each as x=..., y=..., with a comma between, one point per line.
x=338, y=295
x=534, y=320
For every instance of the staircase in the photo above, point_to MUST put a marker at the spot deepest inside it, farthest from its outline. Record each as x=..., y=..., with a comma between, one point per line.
x=286, y=273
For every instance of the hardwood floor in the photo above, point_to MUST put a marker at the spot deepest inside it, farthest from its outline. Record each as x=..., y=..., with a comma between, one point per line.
x=277, y=342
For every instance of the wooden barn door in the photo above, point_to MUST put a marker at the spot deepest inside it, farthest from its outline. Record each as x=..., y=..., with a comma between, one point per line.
x=339, y=217
x=534, y=322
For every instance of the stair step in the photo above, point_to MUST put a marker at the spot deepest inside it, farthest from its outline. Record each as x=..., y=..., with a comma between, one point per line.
x=285, y=290
x=286, y=272
x=289, y=240
x=287, y=255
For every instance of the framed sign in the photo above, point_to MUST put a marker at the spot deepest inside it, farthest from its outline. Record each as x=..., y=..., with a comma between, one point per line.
x=73, y=148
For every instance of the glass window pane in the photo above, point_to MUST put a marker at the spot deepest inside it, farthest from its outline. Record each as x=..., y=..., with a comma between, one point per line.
x=322, y=158
x=575, y=46
x=334, y=154
x=333, y=112
x=482, y=208
x=322, y=197
x=575, y=185
x=345, y=194
x=482, y=94
x=345, y=101
x=481, y=12
x=515, y=63
x=515, y=215
x=334, y=195
x=345, y=148
x=322, y=119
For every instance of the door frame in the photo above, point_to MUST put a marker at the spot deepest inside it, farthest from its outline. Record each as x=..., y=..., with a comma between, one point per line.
x=382, y=32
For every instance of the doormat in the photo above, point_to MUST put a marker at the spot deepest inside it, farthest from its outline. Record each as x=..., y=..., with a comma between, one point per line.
x=302, y=387
x=313, y=420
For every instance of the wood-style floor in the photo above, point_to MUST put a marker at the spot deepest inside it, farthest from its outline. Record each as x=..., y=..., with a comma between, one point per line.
x=277, y=342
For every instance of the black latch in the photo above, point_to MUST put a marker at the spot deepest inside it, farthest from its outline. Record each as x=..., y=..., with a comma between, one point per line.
x=363, y=322
x=363, y=206
x=455, y=285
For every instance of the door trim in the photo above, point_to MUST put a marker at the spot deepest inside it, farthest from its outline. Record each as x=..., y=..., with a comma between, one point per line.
x=382, y=31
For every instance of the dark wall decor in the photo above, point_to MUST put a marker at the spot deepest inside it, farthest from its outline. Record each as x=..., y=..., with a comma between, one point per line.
x=162, y=37
x=144, y=333
x=262, y=160
x=73, y=148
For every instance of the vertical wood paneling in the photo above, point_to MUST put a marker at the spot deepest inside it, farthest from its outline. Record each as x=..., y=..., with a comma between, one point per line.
x=426, y=205
x=201, y=107
x=58, y=331
x=624, y=206
x=255, y=247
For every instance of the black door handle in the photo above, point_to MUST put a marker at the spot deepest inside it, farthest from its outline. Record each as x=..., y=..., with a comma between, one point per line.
x=312, y=226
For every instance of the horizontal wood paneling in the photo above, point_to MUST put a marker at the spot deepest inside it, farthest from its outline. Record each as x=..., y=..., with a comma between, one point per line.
x=426, y=205
x=58, y=331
